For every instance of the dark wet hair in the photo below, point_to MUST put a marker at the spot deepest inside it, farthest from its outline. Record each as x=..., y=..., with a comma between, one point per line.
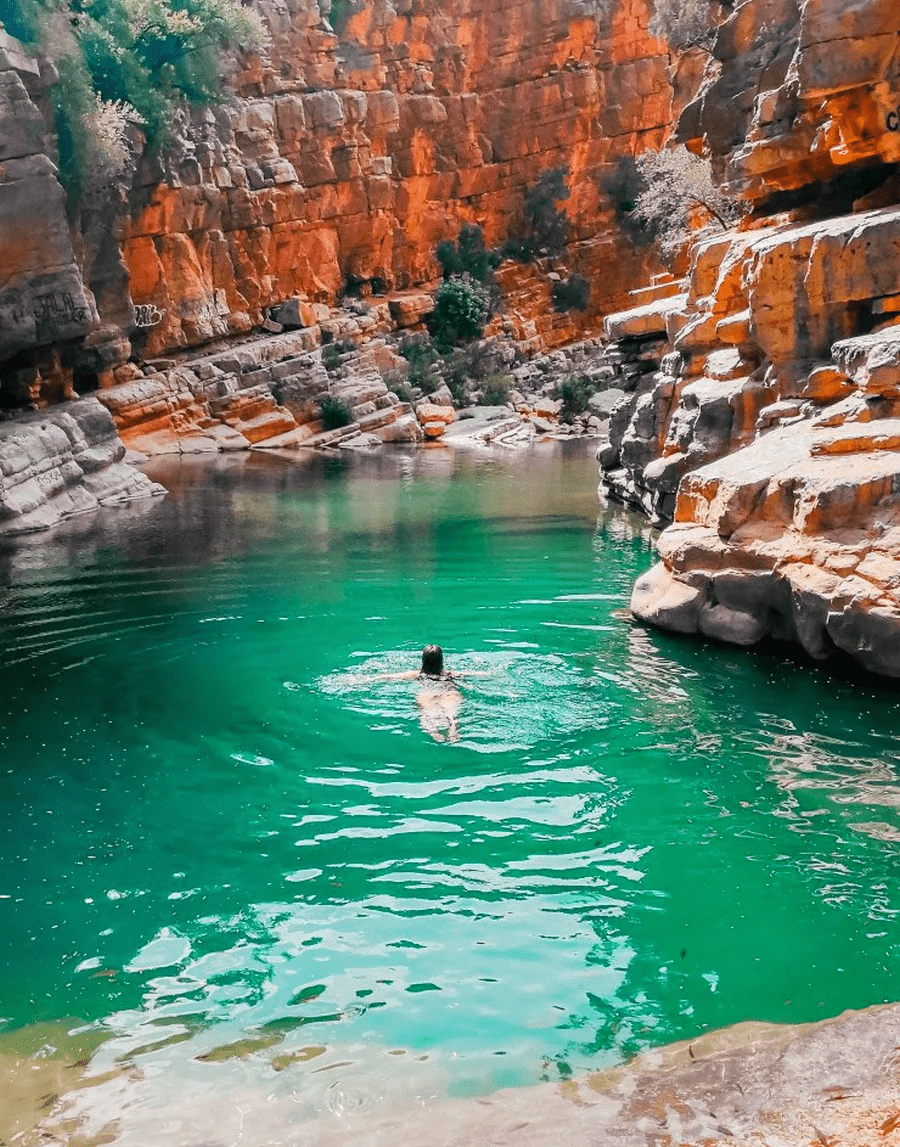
x=432, y=661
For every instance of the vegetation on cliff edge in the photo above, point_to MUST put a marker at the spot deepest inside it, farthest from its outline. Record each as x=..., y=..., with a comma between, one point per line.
x=127, y=61
x=665, y=197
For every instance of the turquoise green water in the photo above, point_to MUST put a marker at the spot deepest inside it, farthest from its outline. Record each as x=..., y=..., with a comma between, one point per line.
x=244, y=862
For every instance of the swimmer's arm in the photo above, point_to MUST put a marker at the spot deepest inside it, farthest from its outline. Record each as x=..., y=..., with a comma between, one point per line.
x=472, y=673
x=353, y=679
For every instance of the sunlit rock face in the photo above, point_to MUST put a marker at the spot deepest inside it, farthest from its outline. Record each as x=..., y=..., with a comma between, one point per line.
x=338, y=164
x=348, y=157
x=802, y=95
x=769, y=434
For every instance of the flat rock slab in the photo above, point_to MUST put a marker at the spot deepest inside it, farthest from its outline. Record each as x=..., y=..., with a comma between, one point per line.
x=753, y=1085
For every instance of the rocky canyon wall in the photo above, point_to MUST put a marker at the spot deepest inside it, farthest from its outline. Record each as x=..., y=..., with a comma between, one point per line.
x=338, y=164
x=769, y=429
x=348, y=157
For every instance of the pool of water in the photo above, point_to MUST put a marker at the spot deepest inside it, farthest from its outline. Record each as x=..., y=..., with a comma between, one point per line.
x=239, y=880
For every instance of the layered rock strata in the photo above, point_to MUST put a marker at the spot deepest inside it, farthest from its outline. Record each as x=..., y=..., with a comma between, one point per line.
x=44, y=307
x=801, y=102
x=336, y=167
x=65, y=461
x=350, y=156
x=773, y=443
x=768, y=436
x=268, y=393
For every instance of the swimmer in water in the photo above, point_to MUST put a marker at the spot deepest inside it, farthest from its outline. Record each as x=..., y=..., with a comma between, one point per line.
x=438, y=699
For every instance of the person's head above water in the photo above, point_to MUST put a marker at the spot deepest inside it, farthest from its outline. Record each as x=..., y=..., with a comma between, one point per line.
x=432, y=661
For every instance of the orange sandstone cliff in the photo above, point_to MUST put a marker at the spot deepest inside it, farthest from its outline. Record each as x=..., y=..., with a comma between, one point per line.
x=328, y=178
x=338, y=165
x=770, y=435
x=348, y=157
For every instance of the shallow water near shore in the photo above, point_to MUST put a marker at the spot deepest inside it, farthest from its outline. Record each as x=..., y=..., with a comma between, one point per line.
x=242, y=874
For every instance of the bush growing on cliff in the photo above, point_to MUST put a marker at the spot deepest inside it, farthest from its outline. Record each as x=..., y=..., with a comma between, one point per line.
x=396, y=382
x=460, y=312
x=468, y=255
x=677, y=195
x=574, y=392
x=467, y=364
x=622, y=182
x=421, y=354
x=334, y=413
x=496, y=390
x=681, y=23
x=118, y=55
x=571, y=294
x=546, y=228
x=333, y=354
x=156, y=53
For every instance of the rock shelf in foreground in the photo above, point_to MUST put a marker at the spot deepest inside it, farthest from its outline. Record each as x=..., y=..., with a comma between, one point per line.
x=751, y=1085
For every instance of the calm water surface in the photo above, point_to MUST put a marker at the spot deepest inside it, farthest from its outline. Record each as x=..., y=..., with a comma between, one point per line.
x=237, y=876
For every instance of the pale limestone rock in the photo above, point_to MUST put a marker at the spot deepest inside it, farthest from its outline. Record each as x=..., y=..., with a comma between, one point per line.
x=787, y=473
x=42, y=294
x=648, y=319
x=65, y=461
x=733, y=626
x=660, y=599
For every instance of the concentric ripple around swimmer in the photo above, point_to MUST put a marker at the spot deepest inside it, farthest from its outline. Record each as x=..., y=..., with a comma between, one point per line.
x=240, y=884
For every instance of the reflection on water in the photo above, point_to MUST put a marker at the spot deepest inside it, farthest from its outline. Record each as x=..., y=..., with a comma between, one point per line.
x=265, y=892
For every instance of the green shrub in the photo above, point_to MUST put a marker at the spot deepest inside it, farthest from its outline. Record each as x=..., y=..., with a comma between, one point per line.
x=421, y=354
x=516, y=249
x=574, y=392
x=461, y=310
x=458, y=370
x=334, y=412
x=73, y=101
x=396, y=383
x=419, y=349
x=496, y=390
x=623, y=183
x=121, y=59
x=333, y=354
x=468, y=255
x=546, y=228
x=571, y=294
x=331, y=357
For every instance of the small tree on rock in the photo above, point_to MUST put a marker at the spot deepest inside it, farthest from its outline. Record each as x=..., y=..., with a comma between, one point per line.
x=676, y=187
x=682, y=23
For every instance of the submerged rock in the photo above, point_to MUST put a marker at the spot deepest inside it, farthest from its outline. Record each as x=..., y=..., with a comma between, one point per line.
x=751, y=1085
